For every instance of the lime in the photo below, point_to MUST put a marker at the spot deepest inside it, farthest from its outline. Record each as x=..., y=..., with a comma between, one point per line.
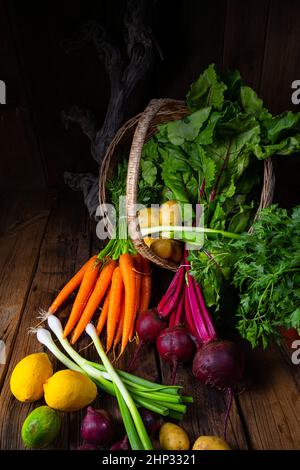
x=40, y=427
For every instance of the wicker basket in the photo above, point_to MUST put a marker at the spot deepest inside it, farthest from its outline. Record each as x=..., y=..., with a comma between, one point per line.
x=132, y=136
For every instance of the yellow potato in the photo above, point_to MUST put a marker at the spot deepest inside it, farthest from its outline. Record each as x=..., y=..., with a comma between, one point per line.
x=170, y=213
x=176, y=251
x=162, y=248
x=148, y=217
x=210, y=443
x=148, y=241
x=173, y=437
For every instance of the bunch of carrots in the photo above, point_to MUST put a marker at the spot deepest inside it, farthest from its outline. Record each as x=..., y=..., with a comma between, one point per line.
x=121, y=287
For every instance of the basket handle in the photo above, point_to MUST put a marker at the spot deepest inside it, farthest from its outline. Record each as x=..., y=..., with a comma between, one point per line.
x=133, y=171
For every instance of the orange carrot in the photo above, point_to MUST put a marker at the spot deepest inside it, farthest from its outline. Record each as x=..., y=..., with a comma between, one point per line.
x=145, y=286
x=95, y=299
x=115, y=299
x=71, y=285
x=126, y=263
x=103, y=314
x=82, y=297
x=138, y=264
x=120, y=325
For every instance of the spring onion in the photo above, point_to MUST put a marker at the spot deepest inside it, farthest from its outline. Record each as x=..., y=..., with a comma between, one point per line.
x=161, y=399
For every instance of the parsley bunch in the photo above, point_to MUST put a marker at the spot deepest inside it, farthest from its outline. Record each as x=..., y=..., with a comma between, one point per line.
x=264, y=268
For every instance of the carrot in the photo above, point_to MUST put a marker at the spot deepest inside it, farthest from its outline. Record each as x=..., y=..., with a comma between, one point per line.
x=120, y=325
x=145, y=286
x=126, y=263
x=71, y=285
x=83, y=294
x=138, y=264
x=103, y=314
x=115, y=299
x=94, y=301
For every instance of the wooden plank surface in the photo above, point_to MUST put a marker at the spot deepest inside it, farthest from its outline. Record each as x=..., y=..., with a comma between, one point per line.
x=191, y=35
x=23, y=218
x=20, y=159
x=271, y=402
x=244, y=39
x=62, y=244
x=281, y=64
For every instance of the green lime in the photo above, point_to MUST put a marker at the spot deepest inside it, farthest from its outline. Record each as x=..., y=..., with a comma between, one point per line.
x=40, y=427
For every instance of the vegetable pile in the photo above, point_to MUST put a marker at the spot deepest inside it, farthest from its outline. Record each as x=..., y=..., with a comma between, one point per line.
x=130, y=391
x=231, y=265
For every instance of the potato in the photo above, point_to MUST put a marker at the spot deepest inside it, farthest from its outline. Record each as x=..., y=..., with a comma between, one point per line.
x=210, y=443
x=170, y=213
x=149, y=217
x=173, y=437
x=162, y=248
x=176, y=251
x=148, y=241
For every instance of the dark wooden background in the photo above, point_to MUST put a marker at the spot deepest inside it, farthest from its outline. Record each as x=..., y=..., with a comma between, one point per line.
x=261, y=38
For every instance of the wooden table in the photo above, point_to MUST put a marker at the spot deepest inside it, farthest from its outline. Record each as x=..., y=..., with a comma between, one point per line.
x=44, y=238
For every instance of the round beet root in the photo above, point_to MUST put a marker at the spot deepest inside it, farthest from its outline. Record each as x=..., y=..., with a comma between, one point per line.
x=219, y=364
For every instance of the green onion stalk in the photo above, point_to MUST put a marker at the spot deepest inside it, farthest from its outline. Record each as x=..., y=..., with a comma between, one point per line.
x=191, y=235
x=131, y=391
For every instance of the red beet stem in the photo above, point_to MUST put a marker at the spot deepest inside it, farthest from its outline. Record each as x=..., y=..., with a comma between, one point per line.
x=202, y=334
x=202, y=189
x=211, y=332
x=199, y=312
x=170, y=299
x=188, y=315
x=179, y=309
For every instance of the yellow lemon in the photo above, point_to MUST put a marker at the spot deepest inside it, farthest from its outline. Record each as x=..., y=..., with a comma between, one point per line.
x=210, y=443
x=68, y=390
x=29, y=376
x=173, y=437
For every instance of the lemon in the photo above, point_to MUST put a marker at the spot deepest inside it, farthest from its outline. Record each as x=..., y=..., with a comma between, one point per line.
x=29, y=376
x=68, y=390
x=210, y=443
x=40, y=427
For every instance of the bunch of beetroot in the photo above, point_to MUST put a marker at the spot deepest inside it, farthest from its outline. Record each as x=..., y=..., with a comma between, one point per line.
x=216, y=363
x=183, y=331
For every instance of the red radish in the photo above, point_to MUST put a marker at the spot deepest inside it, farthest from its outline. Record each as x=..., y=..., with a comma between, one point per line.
x=175, y=346
x=148, y=326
